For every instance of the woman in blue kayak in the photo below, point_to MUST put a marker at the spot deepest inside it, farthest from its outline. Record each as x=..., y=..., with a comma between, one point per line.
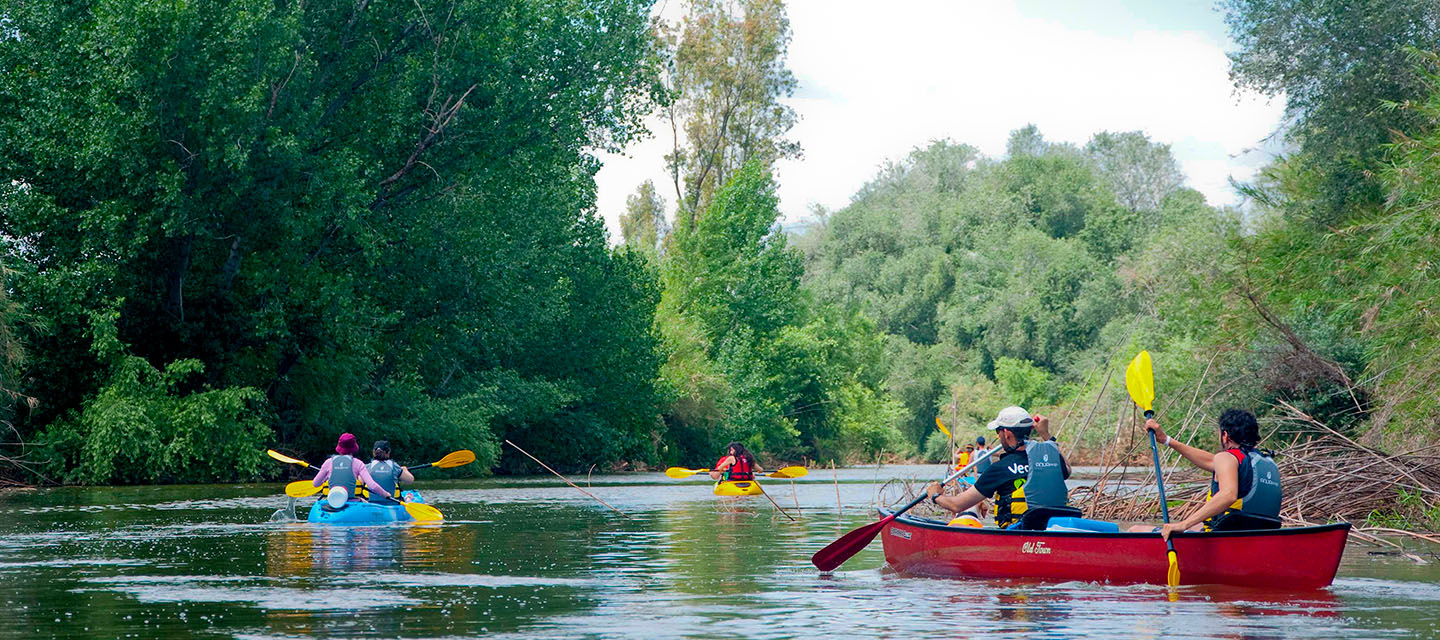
x=386, y=472
x=737, y=464
x=343, y=469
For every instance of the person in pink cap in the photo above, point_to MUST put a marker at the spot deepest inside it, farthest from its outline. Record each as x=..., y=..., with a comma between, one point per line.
x=343, y=468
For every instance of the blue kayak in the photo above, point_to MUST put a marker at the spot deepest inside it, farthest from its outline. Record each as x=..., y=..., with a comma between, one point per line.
x=360, y=512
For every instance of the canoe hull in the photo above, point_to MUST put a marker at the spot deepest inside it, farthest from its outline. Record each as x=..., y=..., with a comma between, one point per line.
x=358, y=512
x=738, y=488
x=1293, y=559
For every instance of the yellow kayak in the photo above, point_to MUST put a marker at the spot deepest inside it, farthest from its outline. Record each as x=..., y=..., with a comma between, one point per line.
x=737, y=488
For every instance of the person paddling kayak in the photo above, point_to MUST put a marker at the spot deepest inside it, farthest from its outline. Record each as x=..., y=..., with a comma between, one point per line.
x=737, y=464
x=1033, y=467
x=1244, y=481
x=342, y=469
x=386, y=472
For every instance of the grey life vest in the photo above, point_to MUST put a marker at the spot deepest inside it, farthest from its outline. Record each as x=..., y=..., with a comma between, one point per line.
x=341, y=475
x=1259, y=480
x=1045, y=483
x=385, y=473
x=984, y=462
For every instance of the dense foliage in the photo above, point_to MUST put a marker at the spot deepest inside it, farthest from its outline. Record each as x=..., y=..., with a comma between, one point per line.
x=245, y=224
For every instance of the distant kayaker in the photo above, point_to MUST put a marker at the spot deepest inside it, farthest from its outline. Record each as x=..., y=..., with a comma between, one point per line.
x=1042, y=471
x=386, y=472
x=737, y=464
x=343, y=468
x=1244, y=481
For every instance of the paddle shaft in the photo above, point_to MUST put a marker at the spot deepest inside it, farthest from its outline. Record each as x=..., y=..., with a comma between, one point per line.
x=1160, y=483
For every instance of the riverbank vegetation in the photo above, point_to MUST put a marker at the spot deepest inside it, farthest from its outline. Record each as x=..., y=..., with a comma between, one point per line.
x=259, y=224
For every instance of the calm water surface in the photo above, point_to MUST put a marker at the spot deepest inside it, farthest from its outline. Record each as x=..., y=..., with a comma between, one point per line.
x=532, y=558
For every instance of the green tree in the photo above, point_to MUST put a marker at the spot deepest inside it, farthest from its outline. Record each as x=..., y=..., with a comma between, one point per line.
x=643, y=222
x=727, y=77
x=1140, y=172
x=1335, y=61
x=383, y=238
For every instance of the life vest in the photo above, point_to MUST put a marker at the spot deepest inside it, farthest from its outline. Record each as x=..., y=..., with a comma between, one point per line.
x=1042, y=486
x=963, y=460
x=984, y=463
x=740, y=470
x=1045, y=482
x=385, y=473
x=1259, y=486
x=341, y=475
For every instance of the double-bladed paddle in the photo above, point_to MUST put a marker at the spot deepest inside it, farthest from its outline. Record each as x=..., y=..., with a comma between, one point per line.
x=837, y=552
x=1140, y=382
x=787, y=472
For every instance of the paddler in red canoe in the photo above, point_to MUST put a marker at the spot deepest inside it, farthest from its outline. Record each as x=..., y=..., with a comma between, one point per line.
x=1028, y=482
x=737, y=464
x=1244, y=481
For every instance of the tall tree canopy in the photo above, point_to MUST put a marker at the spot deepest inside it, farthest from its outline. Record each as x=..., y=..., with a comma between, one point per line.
x=247, y=222
x=727, y=75
x=1336, y=62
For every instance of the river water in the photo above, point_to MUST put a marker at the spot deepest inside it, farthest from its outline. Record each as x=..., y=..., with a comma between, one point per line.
x=532, y=558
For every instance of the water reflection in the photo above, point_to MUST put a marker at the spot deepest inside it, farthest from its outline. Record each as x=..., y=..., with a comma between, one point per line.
x=530, y=560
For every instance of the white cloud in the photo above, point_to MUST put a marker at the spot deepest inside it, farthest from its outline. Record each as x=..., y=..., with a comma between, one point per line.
x=876, y=84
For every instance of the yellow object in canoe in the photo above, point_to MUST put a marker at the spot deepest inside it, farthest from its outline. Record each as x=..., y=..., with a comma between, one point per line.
x=738, y=488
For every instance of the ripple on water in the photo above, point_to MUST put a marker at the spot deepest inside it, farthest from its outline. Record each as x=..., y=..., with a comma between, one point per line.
x=269, y=598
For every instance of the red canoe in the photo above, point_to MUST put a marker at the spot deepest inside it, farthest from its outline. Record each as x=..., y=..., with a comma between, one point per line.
x=1299, y=558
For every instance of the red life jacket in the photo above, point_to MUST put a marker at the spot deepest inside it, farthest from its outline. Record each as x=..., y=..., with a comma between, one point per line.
x=740, y=470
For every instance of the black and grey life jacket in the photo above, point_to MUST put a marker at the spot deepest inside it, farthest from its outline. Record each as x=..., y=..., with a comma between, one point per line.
x=342, y=475
x=1259, y=487
x=1045, y=483
x=386, y=474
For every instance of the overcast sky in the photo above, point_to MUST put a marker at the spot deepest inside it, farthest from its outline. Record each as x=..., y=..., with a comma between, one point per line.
x=879, y=79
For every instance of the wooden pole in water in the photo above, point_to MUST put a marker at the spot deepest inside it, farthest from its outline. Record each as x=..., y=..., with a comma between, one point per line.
x=839, y=510
x=796, y=496
x=567, y=481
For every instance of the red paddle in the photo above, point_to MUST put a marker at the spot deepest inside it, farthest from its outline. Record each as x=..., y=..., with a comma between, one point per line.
x=837, y=552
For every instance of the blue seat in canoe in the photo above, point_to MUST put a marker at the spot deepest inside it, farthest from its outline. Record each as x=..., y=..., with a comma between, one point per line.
x=1081, y=524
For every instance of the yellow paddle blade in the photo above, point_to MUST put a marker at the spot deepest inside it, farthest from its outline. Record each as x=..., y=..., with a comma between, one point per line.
x=455, y=459
x=790, y=472
x=423, y=512
x=300, y=489
x=943, y=430
x=284, y=458
x=682, y=472
x=1172, y=575
x=1140, y=380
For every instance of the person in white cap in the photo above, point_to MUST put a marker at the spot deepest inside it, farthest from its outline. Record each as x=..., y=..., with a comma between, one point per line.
x=1006, y=478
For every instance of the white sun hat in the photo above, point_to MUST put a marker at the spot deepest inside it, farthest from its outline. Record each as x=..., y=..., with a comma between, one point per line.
x=1012, y=417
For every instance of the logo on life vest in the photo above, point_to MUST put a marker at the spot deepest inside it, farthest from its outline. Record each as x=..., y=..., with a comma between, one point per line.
x=899, y=533
x=1037, y=548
